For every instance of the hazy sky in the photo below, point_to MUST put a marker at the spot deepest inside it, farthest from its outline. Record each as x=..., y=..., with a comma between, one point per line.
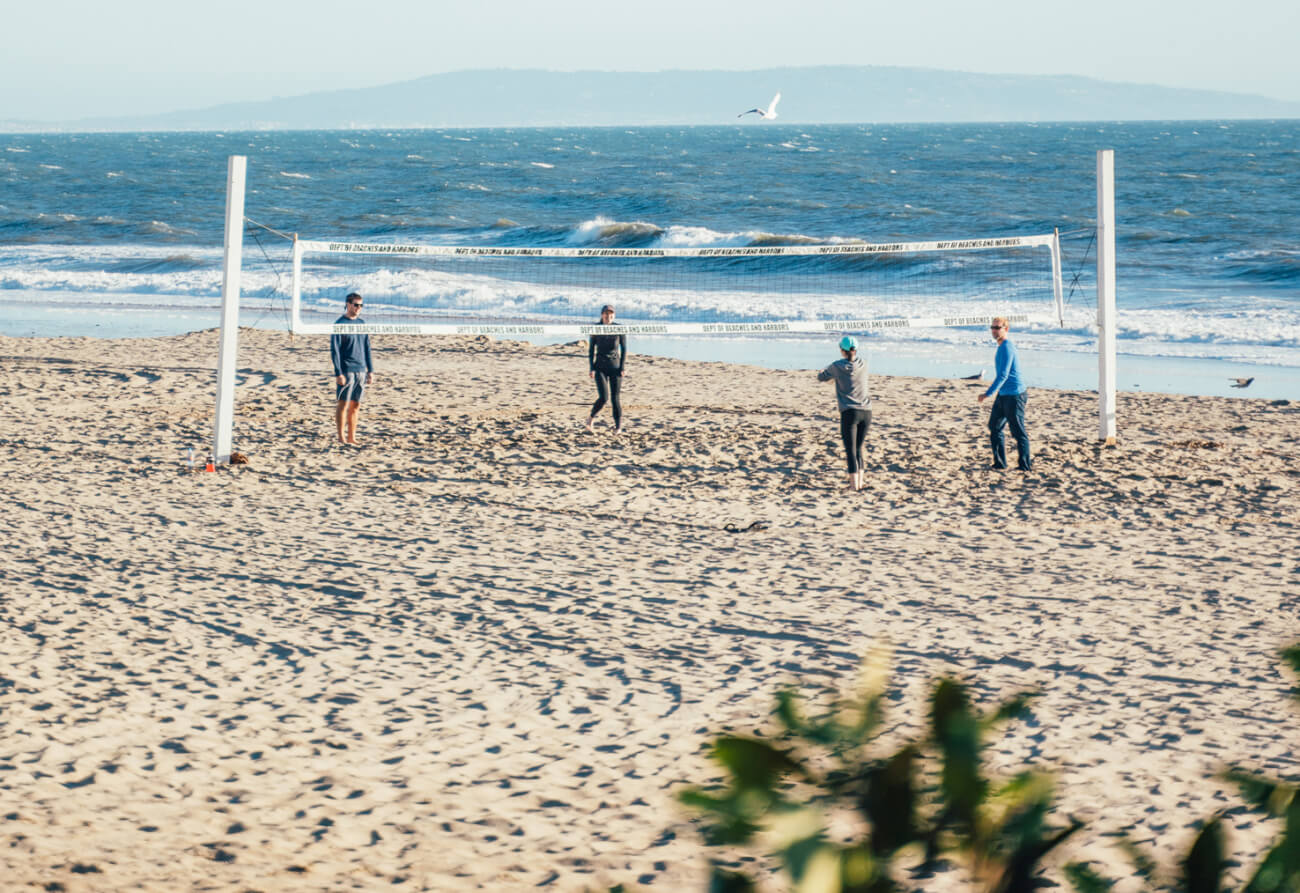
x=63, y=60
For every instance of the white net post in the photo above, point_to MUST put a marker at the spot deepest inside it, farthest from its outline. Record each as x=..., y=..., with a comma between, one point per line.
x=1056, y=278
x=295, y=287
x=1106, y=321
x=225, y=412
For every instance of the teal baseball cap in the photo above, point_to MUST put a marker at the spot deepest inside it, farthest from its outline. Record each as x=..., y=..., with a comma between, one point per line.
x=848, y=342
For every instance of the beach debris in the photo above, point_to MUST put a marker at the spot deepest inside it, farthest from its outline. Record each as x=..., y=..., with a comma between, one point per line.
x=1198, y=444
x=755, y=525
x=211, y=465
x=1240, y=382
x=978, y=376
x=238, y=459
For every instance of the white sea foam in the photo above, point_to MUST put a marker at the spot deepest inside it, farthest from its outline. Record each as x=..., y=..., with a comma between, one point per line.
x=1249, y=328
x=404, y=293
x=1257, y=335
x=678, y=236
x=1167, y=332
x=1274, y=328
x=541, y=164
x=163, y=228
x=295, y=176
x=701, y=237
x=1262, y=253
x=92, y=282
x=42, y=255
x=603, y=229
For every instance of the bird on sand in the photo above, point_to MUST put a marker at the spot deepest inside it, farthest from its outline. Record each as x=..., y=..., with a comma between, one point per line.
x=978, y=376
x=1240, y=382
x=769, y=112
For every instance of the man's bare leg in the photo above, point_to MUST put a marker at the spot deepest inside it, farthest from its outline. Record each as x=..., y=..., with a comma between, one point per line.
x=338, y=419
x=353, y=406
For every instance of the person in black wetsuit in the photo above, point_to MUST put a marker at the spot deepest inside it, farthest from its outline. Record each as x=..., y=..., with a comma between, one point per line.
x=606, y=355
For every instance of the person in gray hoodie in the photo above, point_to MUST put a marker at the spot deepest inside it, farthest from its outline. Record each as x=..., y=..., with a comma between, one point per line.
x=850, y=376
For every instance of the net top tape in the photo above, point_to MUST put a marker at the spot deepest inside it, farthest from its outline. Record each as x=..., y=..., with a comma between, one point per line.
x=836, y=326
x=850, y=248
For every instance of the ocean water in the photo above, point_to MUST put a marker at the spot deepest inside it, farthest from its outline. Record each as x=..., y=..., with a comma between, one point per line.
x=120, y=234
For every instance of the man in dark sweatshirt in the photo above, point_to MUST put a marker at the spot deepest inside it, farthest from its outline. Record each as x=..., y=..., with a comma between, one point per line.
x=353, y=370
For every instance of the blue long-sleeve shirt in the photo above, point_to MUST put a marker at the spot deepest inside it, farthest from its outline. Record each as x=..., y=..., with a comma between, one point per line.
x=1006, y=379
x=350, y=353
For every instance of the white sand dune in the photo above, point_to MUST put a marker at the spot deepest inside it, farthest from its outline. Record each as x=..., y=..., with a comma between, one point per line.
x=486, y=650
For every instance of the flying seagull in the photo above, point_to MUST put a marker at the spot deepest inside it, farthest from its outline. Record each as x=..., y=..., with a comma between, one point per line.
x=1240, y=382
x=978, y=376
x=769, y=112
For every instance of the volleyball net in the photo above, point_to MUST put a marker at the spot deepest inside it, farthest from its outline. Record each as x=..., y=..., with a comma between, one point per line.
x=847, y=286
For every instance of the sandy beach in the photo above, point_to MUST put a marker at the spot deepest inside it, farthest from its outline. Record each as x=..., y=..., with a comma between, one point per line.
x=486, y=650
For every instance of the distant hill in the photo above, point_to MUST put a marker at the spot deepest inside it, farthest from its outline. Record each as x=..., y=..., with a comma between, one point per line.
x=830, y=94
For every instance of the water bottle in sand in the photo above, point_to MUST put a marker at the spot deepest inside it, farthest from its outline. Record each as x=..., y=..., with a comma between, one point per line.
x=190, y=451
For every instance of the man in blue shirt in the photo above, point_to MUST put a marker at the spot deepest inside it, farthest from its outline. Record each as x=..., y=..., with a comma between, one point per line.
x=1009, y=404
x=353, y=370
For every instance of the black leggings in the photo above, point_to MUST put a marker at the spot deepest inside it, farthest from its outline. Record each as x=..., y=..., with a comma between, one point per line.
x=853, y=431
x=608, y=384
